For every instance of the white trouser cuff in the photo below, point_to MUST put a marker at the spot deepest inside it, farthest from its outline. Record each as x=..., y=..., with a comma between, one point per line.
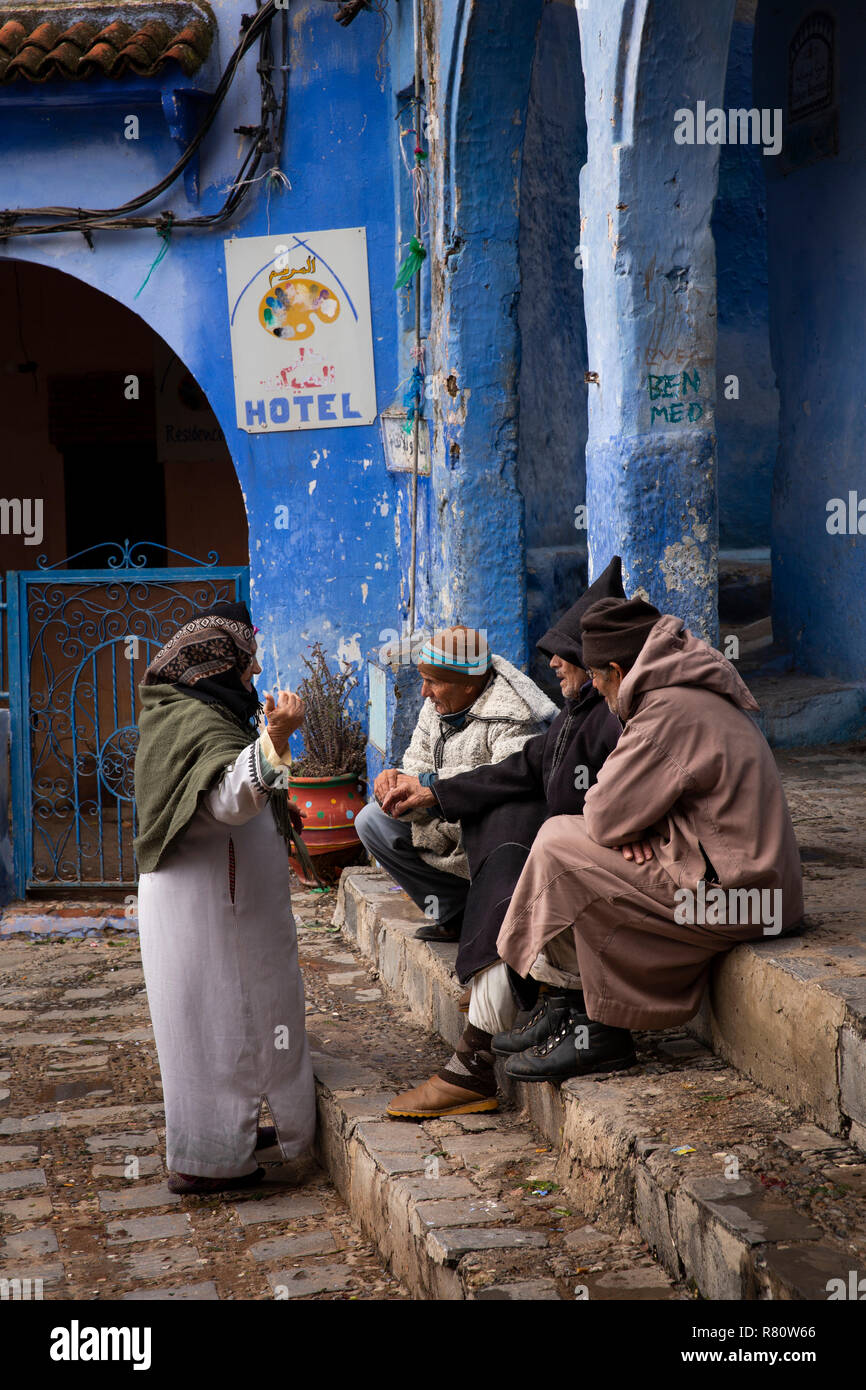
x=492, y=1006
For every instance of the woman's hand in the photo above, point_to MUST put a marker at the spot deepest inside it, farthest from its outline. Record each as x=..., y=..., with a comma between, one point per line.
x=284, y=716
x=296, y=815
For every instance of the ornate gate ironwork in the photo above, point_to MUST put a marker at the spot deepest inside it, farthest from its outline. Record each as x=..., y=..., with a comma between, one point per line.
x=79, y=642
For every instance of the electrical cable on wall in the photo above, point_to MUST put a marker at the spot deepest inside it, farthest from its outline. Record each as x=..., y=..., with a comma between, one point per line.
x=267, y=138
x=410, y=270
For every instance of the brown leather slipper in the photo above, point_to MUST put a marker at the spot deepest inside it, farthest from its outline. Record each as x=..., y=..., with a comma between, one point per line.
x=436, y=1097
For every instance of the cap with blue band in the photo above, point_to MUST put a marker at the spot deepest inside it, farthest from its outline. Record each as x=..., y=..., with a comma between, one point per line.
x=453, y=653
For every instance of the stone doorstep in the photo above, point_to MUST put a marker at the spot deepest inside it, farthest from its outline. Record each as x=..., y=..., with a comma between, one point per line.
x=797, y=710
x=795, y=1027
x=734, y=1239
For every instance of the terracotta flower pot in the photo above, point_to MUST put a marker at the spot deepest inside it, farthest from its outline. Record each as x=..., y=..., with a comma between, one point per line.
x=330, y=805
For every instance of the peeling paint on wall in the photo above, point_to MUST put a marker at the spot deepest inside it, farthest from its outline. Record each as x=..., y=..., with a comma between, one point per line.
x=685, y=566
x=349, y=651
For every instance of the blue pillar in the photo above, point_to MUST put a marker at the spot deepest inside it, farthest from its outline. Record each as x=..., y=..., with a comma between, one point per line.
x=479, y=62
x=650, y=298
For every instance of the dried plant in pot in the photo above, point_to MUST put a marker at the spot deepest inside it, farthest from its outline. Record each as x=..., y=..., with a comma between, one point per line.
x=327, y=782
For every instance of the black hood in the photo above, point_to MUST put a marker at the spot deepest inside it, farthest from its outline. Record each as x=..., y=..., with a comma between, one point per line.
x=564, y=638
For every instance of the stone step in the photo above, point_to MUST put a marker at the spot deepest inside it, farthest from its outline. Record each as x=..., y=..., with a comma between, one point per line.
x=791, y=1012
x=745, y=586
x=460, y=1208
x=799, y=710
x=734, y=1212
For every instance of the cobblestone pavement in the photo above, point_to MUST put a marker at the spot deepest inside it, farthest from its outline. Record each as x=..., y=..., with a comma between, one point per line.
x=84, y=1205
x=491, y=1170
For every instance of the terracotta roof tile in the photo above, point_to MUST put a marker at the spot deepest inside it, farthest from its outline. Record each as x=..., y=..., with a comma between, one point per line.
x=12, y=35
x=38, y=48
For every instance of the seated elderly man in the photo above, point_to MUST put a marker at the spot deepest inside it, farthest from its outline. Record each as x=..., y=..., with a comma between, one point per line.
x=478, y=709
x=685, y=848
x=501, y=807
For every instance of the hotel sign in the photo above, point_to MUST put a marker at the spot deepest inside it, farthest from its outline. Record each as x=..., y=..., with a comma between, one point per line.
x=301, y=335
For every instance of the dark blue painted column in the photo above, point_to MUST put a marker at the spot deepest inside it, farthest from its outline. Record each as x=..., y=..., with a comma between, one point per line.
x=816, y=209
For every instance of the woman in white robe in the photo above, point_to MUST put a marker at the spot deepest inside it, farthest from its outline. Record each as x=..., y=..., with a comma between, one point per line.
x=218, y=939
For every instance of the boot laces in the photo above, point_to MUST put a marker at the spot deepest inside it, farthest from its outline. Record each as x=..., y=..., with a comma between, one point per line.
x=554, y=1040
x=567, y=1026
x=536, y=1014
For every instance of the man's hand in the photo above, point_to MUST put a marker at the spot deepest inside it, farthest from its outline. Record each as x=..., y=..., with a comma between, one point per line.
x=638, y=850
x=385, y=781
x=296, y=815
x=284, y=716
x=406, y=796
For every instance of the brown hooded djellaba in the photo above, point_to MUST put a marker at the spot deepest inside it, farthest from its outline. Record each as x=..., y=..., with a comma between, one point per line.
x=693, y=774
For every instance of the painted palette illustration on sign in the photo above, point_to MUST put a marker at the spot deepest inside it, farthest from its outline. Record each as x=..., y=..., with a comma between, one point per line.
x=302, y=343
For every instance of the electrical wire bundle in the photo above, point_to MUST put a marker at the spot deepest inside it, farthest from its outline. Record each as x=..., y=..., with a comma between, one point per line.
x=266, y=139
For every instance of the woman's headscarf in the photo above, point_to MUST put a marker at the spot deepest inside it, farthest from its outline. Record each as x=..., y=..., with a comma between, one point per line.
x=207, y=657
x=181, y=753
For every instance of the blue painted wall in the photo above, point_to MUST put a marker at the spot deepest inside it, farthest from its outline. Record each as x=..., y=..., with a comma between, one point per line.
x=817, y=267
x=747, y=429
x=334, y=574
x=507, y=348
x=552, y=392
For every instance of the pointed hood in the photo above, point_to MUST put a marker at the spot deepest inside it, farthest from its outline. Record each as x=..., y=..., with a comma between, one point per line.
x=565, y=638
x=672, y=656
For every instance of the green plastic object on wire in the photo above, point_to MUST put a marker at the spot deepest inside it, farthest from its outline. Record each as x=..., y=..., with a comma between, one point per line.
x=163, y=231
x=412, y=264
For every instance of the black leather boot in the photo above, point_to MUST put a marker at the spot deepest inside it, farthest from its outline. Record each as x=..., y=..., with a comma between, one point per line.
x=535, y=1026
x=441, y=931
x=577, y=1047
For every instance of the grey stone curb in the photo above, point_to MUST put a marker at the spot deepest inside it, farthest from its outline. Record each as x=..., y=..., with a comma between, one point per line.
x=423, y=1226
x=732, y=1238
x=797, y=1028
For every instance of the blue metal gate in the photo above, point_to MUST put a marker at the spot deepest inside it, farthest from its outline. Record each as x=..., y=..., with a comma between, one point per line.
x=79, y=642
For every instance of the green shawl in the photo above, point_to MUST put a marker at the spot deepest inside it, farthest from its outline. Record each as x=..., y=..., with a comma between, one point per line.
x=184, y=747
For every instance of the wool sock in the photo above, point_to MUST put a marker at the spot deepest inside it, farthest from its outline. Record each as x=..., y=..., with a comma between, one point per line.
x=471, y=1066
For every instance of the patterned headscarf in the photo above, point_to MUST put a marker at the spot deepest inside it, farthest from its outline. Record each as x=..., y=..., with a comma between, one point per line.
x=207, y=657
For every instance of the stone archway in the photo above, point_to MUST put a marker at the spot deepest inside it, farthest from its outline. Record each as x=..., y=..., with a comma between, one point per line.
x=117, y=484
x=90, y=387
